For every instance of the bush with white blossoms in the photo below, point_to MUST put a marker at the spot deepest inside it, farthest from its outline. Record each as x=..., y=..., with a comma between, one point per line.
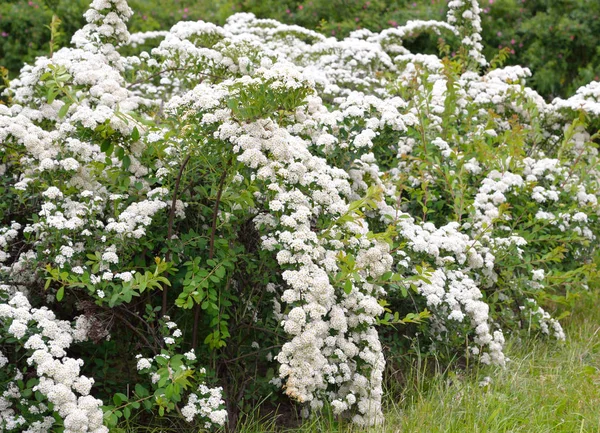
x=256, y=206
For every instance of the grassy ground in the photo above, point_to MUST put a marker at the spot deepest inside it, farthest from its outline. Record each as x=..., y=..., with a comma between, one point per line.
x=546, y=387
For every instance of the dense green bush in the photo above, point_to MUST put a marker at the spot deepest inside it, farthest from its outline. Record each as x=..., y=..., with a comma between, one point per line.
x=558, y=40
x=189, y=229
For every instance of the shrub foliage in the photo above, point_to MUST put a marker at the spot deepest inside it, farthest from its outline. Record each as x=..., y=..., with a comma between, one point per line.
x=240, y=209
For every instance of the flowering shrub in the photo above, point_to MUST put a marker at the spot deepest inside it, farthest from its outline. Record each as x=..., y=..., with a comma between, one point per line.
x=259, y=195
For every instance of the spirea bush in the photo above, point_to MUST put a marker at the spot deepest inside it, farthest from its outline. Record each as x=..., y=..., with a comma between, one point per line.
x=257, y=207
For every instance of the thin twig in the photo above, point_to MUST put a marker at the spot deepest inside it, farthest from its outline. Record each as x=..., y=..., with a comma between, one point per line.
x=211, y=248
x=227, y=361
x=170, y=227
x=134, y=329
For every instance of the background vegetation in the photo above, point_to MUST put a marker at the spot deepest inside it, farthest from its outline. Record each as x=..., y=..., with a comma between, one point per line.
x=559, y=40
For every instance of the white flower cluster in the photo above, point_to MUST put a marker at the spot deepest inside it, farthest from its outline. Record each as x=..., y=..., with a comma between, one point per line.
x=46, y=339
x=453, y=294
x=206, y=403
x=587, y=99
x=548, y=325
x=106, y=24
x=465, y=15
x=7, y=235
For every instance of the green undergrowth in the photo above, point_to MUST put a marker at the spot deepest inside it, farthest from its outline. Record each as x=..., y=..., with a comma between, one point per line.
x=546, y=387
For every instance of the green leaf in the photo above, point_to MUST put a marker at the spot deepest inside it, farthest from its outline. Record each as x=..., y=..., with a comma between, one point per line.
x=348, y=286
x=107, y=147
x=126, y=162
x=141, y=391
x=64, y=109
x=60, y=294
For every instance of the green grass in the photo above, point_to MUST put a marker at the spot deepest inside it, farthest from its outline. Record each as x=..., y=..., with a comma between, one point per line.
x=545, y=388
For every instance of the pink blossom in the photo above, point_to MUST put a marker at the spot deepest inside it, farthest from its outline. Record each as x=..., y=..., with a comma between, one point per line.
x=300, y=7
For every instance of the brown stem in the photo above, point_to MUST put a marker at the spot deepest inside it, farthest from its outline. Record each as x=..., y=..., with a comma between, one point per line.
x=211, y=248
x=228, y=361
x=148, y=325
x=170, y=228
x=135, y=330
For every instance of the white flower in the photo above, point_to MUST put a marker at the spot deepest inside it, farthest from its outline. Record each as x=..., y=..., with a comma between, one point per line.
x=52, y=193
x=110, y=257
x=143, y=363
x=538, y=274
